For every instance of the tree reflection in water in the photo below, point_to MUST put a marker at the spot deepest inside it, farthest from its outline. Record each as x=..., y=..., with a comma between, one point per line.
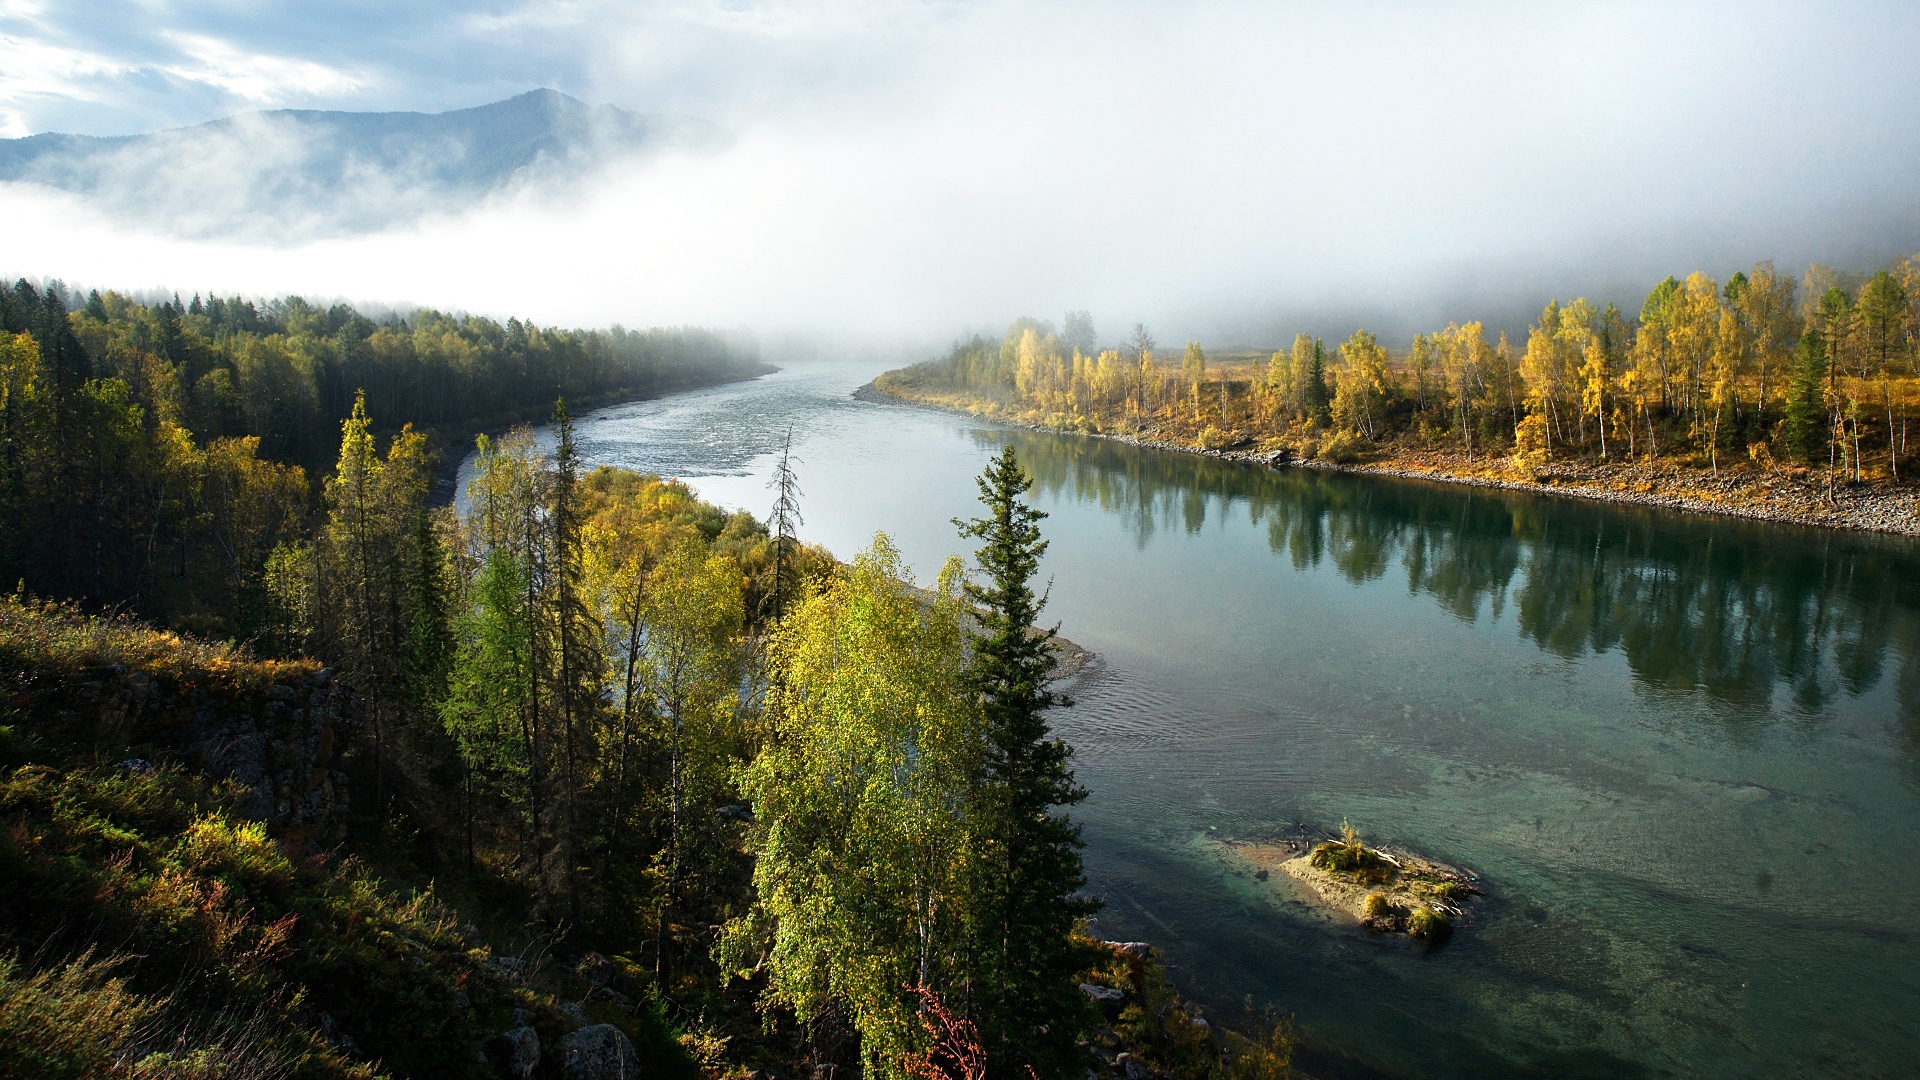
x=1722, y=607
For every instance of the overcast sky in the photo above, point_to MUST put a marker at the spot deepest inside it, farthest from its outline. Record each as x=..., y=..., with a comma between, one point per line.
x=1226, y=170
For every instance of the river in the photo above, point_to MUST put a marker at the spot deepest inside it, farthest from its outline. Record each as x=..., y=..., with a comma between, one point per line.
x=1682, y=752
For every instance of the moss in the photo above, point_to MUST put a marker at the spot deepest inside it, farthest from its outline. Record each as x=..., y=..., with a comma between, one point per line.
x=1374, y=906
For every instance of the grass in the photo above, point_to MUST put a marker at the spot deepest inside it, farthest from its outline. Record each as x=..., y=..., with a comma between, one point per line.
x=1426, y=924
x=1349, y=856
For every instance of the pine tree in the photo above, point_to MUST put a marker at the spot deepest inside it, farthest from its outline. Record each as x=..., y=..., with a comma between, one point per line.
x=1025, y=1000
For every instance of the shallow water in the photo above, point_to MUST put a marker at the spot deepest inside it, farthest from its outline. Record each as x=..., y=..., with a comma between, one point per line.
x=1682, y=752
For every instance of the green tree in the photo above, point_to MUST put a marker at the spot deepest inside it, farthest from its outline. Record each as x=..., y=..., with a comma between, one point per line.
x=864, y=802
x=1805, y=430
x=1317, y=399
x=1026, y=1003
x=490, y=689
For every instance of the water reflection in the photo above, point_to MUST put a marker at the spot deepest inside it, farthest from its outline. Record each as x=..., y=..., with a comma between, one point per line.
x=1733, y=610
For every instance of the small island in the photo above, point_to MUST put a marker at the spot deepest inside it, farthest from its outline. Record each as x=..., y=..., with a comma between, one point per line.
x=1392, y=892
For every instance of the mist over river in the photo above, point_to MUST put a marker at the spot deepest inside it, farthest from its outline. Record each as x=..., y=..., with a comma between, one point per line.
x=1683, y=753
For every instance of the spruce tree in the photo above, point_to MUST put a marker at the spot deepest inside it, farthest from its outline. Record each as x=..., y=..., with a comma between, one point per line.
x=1026, y=1003
x=1806, y=400
x=781, y=522
x=1319, y=398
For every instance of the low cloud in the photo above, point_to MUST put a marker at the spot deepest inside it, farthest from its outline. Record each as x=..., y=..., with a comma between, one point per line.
x=1228, y=171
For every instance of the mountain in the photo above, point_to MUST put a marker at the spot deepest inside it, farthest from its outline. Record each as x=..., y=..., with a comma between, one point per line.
x=293, y=173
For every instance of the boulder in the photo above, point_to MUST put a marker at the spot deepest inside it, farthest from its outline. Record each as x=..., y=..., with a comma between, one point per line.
x=600, y=1052
x=518, y=1051
x=597, y=970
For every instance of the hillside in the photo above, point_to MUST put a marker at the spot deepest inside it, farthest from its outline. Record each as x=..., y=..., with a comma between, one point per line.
x=179, y=903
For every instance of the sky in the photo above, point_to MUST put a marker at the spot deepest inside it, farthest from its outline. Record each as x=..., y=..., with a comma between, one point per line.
x=913, y=171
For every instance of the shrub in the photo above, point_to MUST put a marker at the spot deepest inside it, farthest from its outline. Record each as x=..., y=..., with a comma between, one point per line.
x=70, y=1021
x=1341, y=448
x=1428, y=924
x=1212, y=438
x=1348, y=855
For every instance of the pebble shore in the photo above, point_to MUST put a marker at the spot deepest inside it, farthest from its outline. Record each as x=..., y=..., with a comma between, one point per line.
x=1743, y=491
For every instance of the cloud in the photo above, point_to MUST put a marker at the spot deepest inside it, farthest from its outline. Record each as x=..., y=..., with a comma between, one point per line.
x=1234, y=170
x=257, y=78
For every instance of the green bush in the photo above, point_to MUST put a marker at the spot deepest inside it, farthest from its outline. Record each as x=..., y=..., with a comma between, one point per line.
x=1428, y=925
x=1348, y=855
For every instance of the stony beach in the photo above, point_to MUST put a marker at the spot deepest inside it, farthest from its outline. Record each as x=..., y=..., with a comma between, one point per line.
x=1744, y=490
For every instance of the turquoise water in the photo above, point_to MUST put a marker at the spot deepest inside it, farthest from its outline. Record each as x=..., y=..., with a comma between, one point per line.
x=1682, y=752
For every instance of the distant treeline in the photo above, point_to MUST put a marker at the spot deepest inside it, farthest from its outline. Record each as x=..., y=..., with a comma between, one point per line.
x=1819, y=371
x=151, y=456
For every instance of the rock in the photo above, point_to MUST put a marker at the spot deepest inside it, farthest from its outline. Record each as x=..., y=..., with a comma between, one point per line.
x=1133, y=1069
x=1136, y=949
x=518, y=1051
x=522, y=1018
x=331, y=1034
x=597, y=970
x=1103, y=994
x=573, y=1014
x=600, y=1052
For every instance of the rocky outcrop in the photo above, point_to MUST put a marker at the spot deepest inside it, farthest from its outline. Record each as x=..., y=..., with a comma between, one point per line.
x=289, y=749
x=284, y=731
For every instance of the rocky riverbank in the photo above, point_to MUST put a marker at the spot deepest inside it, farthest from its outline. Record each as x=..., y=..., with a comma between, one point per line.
x=1745, y=489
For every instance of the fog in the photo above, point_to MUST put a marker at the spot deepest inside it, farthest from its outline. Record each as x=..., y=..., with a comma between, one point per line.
x=906, y=173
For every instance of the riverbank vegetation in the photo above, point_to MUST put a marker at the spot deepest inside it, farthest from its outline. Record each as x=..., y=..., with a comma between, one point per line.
x=1810, y=382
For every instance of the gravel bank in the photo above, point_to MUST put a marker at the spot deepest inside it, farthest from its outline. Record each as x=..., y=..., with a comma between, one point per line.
x=1738, y=492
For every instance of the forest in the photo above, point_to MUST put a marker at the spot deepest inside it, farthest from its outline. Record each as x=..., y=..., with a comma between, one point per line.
x=584, y=777
x=1812, y=376
x=152, y=456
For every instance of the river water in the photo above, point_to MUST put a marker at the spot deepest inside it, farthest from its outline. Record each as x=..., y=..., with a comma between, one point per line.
x=1683, y=753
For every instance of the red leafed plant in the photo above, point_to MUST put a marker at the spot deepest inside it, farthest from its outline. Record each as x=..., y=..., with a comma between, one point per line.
x=955, y=1052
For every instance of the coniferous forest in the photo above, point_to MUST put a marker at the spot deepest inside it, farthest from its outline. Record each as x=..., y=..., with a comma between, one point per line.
x=307, y=775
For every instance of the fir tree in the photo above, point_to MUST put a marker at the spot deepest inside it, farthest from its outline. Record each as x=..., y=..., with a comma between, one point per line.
x=1025, y=1000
